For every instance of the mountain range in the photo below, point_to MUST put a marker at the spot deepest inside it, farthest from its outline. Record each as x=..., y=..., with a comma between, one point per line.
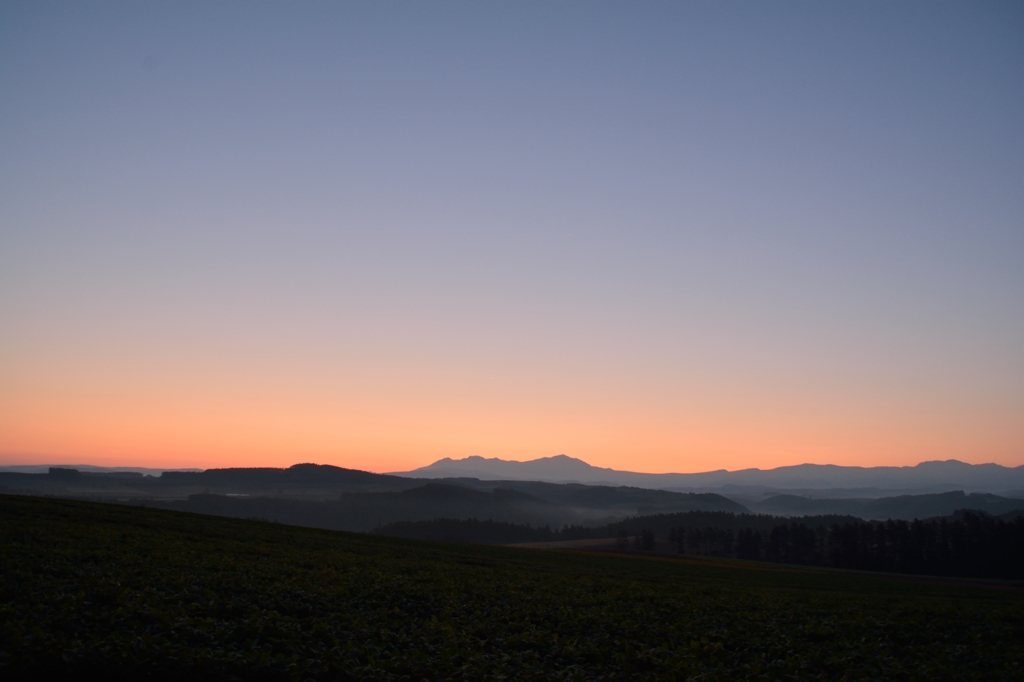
x=346, y=499
x=824, y=479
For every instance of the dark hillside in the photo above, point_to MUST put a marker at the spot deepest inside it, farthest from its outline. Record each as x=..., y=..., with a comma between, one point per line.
x=621, y=500
x=344, y=499
x=297, y=480
x=365, y=511
x=312, y=481
x=298, y=476
x=904, y=507
x=90, y=589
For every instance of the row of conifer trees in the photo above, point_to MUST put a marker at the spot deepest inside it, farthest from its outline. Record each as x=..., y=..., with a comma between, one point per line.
x=970, y=545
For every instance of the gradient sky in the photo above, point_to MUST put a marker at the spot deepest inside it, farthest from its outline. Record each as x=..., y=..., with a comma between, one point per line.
x=654, y=236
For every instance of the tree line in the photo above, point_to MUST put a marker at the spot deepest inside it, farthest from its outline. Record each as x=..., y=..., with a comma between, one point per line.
x=967, y=545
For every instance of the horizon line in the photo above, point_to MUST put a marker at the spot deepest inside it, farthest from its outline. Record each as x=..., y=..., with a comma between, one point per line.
x=56, y=463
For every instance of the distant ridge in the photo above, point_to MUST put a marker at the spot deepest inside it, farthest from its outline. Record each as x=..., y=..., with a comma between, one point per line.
x=85, y=468
x=933, y=476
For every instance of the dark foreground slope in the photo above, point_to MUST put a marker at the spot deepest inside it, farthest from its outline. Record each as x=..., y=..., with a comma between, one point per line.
x=92, y=588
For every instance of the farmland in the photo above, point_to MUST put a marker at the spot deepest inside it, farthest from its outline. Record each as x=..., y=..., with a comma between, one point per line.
x=131, y=591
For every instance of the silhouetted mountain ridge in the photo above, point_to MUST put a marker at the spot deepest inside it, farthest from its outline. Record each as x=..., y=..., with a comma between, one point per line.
x=929, y=476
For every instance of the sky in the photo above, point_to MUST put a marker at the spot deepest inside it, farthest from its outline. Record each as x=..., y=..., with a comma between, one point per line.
x=654, y=236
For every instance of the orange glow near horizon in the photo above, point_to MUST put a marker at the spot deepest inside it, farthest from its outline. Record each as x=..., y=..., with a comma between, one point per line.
x=255, y=404
x=381, y=432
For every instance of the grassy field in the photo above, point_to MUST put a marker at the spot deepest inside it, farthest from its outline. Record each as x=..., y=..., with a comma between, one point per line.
x=147, y=593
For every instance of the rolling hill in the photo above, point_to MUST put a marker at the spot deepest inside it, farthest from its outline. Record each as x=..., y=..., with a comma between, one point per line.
x=125, y=593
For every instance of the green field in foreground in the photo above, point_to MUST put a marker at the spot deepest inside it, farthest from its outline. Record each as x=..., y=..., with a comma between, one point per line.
x=141, y=592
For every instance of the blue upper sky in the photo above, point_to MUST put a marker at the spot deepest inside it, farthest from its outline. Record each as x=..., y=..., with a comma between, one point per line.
x=666, y=205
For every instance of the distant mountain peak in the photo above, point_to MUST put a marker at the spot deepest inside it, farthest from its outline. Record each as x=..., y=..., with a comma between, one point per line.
x=477, y=459
x=566, y=458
